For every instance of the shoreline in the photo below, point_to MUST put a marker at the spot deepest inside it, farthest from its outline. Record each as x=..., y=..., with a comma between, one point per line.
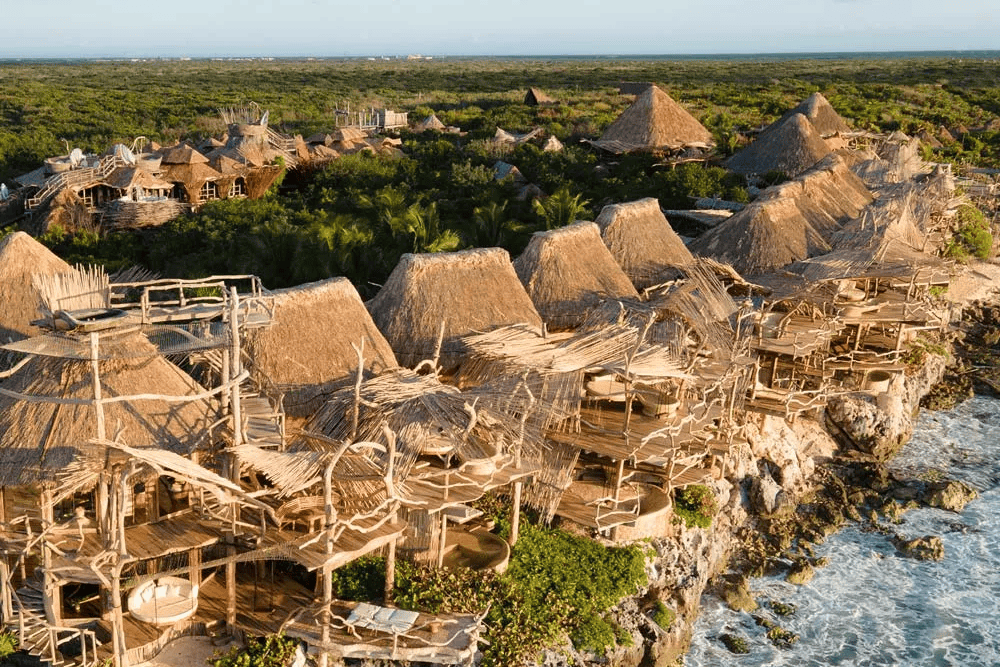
x=771, y=516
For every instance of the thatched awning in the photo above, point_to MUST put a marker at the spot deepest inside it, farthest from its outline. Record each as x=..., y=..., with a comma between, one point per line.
x=643, y=242
x=566, y=271
x=128, y=178
x=465, y=292
x=309, y=350
x=654, y=122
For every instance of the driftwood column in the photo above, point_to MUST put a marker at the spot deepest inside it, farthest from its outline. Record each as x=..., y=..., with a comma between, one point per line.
x=234, y=470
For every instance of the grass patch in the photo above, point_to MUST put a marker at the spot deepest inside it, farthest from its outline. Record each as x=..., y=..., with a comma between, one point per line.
x=695, y=505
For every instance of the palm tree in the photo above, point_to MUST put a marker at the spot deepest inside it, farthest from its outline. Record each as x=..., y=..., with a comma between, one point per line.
x=491, y=225
x=424, y=223
x=561, y=208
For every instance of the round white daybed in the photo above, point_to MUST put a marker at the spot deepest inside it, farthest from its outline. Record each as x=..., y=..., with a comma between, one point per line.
x=163, y=601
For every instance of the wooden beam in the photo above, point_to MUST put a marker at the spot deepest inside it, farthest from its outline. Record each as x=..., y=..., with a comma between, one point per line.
x=95, y=372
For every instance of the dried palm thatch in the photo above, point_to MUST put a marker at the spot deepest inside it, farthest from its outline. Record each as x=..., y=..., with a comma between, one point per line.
x=191, y=177
x=129, y=179
x=791, y=148
x=534, y=97
x=643, y=242
x=125, y=214
x=260, y=179
x=566, y=271
x=703, y=304
x=654, y=122
x=552, y=144
x=349, y=134
x=432, y=122
x=182, y=153
x=819, y=112
x=789, y=222
x=323, y=153
x=22, y=258
x=37, y=438
x=457, y=293
x=78, y=289
x=309, y=350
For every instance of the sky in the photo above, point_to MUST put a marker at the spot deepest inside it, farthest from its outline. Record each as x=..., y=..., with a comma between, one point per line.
x=325, y=28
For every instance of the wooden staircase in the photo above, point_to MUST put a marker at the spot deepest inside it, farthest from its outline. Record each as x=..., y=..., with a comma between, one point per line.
x=75, y=177
x=43, y=640
x=262, y=404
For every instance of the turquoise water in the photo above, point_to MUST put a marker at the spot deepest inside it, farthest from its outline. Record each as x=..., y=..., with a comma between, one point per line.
x=871, y=606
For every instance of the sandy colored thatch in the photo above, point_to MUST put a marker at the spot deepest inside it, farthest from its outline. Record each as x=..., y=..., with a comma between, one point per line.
x=321, y=153
x=534, y=97
x=320, y=138
x=37, y=439
x=643, y=242
x=182, y=154
x=432, y=122
x=791, y=147
x=22, y=257
x=566, y=271
x=130, y=178
x=552, y=144
x=654, y=121
x=349, y=134
x=818, y=111
x=468, y=291
x=307, y=351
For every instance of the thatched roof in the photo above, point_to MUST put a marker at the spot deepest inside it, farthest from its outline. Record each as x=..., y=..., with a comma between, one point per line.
x=127, y=178
x=566, y=271
x=468, y=291
x=654, y=121
x=552, y=144
x=37, y=439
x=534, y=97
x=643, y=242
x=191, y=175
x=21, y=258
x=432, y=122
x=320, y=138
x=349, y=134
x=182, y=154
x=308, y=352
x=818, y=111
x=791, y=147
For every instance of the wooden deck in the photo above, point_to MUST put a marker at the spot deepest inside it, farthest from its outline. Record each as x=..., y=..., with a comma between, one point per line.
x=309, y=549
x=431, y=488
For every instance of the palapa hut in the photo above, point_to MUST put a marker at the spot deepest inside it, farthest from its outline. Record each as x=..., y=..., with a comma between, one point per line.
x=654, y=122
x=535, y=97
x=790, y=147
x=432, y=122
x=643, y=242
x=38, y=438
x=21, y=258
x=309, y=350
x=189, y=171
x=819, y=112
x=457, y=293
x=566, y=271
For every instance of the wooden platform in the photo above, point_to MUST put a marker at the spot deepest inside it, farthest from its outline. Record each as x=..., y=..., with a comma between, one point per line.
x=433, y=489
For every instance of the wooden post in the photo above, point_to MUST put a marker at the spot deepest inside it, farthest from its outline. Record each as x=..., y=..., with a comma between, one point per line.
x=515, y=514
x=52, y=606
x=326, y=613
x=231, y=588
x=5, y=597
x=618, y=489
x=390, y=571
x=194, y=566
x=117, y=619
x=98, y=406
x=443, y=538
x=234, y=327
x=224, y=381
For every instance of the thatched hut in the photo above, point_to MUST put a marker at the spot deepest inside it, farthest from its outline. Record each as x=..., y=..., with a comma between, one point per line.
x=535, y=97
x=820, y=113
x=566, y=271
x=182, y=153
x=38, y=438
x=21, y=258
x=791, y=147
x=457, y=293
x=307, y=351
x=432, y=122
x=654, y=122
x=643, y=242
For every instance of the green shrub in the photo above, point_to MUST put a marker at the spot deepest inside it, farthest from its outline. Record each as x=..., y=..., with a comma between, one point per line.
x=360, y=580
x=8, y=643
x=271, y=651
x=972, y=235
x=696, y=505
x=663, y=615
x=593, y=633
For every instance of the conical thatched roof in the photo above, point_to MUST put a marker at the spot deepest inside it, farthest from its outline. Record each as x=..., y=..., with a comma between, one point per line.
x=643, y=242
x=126, y=178
x=321, y=138
x=432, y=122
x=552, y=144
x=307, y=351
x=469, y=291
x=22, y=257
x=818, y=111
x=534, y=97
x=566, y=271
x=654, y=121
x=182, y=154
x=788, y=222
x=791, y=147
x=37, y=439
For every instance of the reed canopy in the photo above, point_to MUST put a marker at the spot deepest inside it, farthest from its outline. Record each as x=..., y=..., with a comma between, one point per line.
x=22, y=258
x=454, y=292
x=791, y=148
x=643, y=243
x=654, y=122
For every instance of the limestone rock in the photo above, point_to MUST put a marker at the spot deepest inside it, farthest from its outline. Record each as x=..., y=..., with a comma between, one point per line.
x=928, y=547
x=950, y=495
x=800, y=574
x=735, y=592
x=765, y=494
x=876, y=426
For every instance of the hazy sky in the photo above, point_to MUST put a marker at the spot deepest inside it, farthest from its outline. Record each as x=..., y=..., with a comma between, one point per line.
x=198, y=28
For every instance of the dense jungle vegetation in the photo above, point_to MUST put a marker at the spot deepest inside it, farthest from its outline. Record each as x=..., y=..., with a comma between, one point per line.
x=357, y=215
